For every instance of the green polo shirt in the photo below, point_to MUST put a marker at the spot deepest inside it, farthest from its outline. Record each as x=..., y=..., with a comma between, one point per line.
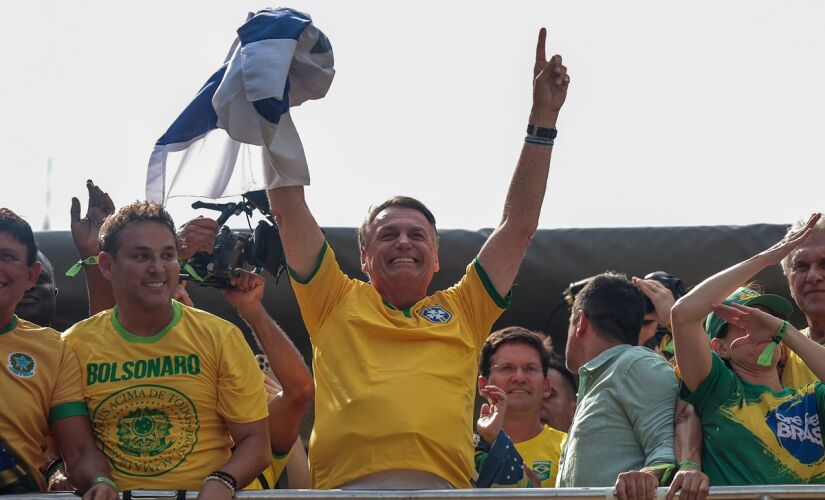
x=624, y=417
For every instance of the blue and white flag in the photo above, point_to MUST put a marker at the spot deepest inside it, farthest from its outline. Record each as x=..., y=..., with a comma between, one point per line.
x=237, y=136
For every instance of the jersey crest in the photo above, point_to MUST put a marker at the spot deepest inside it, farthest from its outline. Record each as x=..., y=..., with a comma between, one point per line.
x=542, y=468
x=22, y=364
x=435, y=314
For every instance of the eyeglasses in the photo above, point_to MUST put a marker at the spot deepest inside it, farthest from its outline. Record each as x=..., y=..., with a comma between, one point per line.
x=508, y=369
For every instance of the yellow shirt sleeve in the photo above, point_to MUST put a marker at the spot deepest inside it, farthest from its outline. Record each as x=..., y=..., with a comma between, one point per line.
x=67, y=395
x=320, y=291
x=241, y=393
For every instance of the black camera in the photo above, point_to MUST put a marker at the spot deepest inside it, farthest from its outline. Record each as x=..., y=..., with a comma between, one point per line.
x=259, y=250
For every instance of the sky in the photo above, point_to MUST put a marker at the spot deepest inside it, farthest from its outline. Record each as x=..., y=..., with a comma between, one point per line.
x=678, y=113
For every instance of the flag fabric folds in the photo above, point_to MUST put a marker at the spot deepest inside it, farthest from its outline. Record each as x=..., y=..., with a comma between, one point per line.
x=237, y=135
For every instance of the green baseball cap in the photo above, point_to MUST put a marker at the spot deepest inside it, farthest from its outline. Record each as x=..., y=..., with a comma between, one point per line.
x=778, y=306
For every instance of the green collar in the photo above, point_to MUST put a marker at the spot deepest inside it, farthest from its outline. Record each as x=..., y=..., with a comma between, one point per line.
x=177, y=314
x=406, y=310
x=11, y=326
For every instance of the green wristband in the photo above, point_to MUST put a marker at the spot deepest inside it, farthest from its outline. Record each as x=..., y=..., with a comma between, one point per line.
x=667, y=471
x=104, y=480
x=689, y=464
x=88, y=261
x=767, y=354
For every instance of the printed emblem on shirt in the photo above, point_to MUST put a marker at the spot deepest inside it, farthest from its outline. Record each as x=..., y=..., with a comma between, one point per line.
x=22, y=364
x=542, y=468
x=147, y=430
x=435, y=314
x=796, y=425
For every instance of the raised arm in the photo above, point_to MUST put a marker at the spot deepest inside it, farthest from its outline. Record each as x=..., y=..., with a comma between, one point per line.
x=85, y=233
x=300, y=235
x=288, y=408
x=690, y=339
x=503, y=252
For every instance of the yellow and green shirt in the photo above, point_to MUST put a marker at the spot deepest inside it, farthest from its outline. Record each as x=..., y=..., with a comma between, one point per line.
x=268, y=479
x=159, y=404
x=796, y=373
x=541, y=454
x=753, y=435
x=41, y=385
x=394, y=388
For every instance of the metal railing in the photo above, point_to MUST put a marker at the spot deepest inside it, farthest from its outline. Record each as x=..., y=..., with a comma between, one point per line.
x=767, y=492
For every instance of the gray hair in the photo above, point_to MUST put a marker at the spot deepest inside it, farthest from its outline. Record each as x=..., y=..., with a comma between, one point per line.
x=819, y=227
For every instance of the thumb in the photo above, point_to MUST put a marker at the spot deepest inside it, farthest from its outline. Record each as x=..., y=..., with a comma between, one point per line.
x=74, y=211
x=741, y=341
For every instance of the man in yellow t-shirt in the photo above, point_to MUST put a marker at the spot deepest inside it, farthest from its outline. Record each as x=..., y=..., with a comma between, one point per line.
x=41, y=384
x=804, y=268
x=170, y=389
x=395, y=365
x=513, y=377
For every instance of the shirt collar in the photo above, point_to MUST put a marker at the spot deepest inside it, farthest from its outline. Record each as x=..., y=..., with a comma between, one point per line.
x=604, y=358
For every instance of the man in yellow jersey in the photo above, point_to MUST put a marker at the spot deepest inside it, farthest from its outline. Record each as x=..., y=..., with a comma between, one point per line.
x=805, y=269
x=41, y=384
x=171, y=389
x=515, y=361
x=395, y=366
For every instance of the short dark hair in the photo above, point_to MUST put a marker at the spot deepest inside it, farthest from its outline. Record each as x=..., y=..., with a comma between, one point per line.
x=512, y=335
x=363, y=231
x=21, y=231
x=139, y=211
x=613, y=305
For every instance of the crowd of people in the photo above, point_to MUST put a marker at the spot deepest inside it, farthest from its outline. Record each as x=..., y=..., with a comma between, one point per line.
x=150, y=392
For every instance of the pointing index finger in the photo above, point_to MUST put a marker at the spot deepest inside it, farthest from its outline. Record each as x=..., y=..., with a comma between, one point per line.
x=541, y=55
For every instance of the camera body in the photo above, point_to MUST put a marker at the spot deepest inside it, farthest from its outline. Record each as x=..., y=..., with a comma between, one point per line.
x=260, y=250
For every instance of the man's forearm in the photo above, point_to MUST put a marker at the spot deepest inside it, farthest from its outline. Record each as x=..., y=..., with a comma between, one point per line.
x=99, y=288
x=250, y=456
x=85, y=465
x=286, y=362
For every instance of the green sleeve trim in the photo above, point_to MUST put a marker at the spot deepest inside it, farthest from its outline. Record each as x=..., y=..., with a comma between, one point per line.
x=281, y=456
x=11, y=326
x=502, y=302
x=177, y=314
x=314, y=271
x=66, y=410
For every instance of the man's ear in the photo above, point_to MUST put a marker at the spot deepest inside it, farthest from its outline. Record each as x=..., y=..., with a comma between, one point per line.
x=104, y=262
x=363, y=257
x=582, y=324
x=482, y=383
x=34, y=273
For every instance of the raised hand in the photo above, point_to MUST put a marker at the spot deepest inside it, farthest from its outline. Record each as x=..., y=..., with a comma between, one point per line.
x=491, y=417
x=247, y=291
x=197, y=235
x=661, y=297
x=550, y=82
x=759, y=326
x=85, y=230
x=783, y=247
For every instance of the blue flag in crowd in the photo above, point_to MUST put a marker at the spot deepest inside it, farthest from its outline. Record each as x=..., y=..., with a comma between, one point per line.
x=237, y=135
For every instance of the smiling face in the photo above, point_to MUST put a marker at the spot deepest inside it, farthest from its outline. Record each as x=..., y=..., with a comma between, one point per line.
x=516, y=369
x=806, y=276
x=144, y=270
x=401, y=249
x=16, y=276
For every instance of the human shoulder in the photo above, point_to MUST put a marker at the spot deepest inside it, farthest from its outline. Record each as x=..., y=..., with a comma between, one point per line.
x=552, y=434
x=91, y=326
x=33, y=329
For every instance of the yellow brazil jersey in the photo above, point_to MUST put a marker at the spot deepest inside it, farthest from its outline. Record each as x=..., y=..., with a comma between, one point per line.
x=41, y=384
x=394, y=388
x=541, y=454
x=158, y=404
x=268, y=479
x=796, y=373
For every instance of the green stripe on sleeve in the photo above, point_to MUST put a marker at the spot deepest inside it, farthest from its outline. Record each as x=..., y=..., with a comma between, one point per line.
x=502, y=302
x=65, y=410
x=314, y=271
